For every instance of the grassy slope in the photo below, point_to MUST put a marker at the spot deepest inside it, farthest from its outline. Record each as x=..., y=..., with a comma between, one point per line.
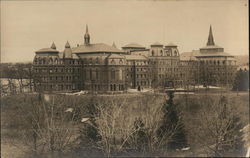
x=136, y=105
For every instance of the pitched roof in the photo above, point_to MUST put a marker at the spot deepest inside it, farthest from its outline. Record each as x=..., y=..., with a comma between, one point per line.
x=133, y=45
x=99, y=47
x=171, y=45
x=116, y=56
x=156, y=44
x=47, y=50
x=211, y=47
x=135, y=57
x=188, y=56
x=214, y=54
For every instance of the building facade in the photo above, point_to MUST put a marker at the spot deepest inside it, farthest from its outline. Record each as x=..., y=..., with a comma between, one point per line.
x=209, y=65
x=100, y=67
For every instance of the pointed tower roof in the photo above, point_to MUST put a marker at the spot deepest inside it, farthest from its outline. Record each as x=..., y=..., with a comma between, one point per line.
x=210, y=41
x=87, y=30
x=53, y=46
x=67, y=45
x=87, y=36
x=113, y=45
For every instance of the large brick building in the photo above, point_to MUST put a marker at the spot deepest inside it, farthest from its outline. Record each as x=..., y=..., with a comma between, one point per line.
x=209, y=65
x=100, y=67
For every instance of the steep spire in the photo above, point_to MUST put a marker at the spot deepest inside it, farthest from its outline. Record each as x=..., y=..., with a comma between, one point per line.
x=87, y=30
x=87, y=36
x=53, y=46
x=67, y=45
x=210, y=41
x=113, y=45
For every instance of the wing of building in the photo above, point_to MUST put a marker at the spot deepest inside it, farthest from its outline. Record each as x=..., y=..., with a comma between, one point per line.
x=209, y=65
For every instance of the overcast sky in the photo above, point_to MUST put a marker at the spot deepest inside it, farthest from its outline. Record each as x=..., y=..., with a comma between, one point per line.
x=27, y=26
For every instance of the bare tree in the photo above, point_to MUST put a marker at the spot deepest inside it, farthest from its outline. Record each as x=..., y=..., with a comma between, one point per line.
x=221, y=125
x=49, y=127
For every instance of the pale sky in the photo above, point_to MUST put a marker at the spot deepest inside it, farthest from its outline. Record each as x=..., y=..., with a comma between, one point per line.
x=27, y=26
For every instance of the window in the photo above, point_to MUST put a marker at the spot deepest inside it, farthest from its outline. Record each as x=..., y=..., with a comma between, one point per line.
x=161, y=53
x=97, y=74
x=153, y=53
x=112, y=61
x=90, y=74
x=175, y=53
x=113, y=74
x=43, y=61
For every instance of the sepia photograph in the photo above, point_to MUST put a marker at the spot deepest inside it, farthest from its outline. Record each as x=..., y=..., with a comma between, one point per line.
x=124, y=78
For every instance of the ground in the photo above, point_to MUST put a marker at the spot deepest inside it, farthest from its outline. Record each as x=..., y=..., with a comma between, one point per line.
x=11, y=122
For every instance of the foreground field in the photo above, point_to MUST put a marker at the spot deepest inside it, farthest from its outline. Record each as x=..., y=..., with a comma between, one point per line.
x=16, y=108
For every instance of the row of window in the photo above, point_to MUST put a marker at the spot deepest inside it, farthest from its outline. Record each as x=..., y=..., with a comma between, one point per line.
x=52, y=87
x=60, y=78
x=116, y=87
x=56, y=61
x=138, y=62
x=219, y=62
x=167, y=53
x=51, y=70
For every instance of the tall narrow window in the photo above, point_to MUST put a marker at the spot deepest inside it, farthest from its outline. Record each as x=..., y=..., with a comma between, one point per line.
x=113, y=74
x=161, y=53
x=97, y=74
x=90, y=74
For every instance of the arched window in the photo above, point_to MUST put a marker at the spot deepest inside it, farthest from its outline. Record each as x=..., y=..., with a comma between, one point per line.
x=56, y=61
x=50, y=61
x=112, y=61
x=90, y=74
x=161, y=53
x=90, y=60
x=43, y=61
x=39, y=61
x=113, y=74
x=175, y=53
x=97, y=74
x=84, y=61
x=120, y=62
x=35, y=61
